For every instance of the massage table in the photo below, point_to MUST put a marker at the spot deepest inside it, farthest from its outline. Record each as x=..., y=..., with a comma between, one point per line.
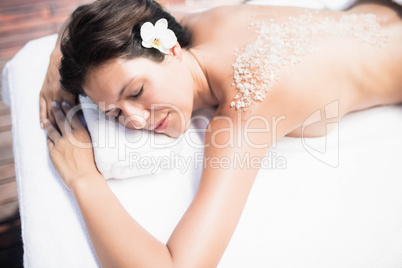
x=333, y=201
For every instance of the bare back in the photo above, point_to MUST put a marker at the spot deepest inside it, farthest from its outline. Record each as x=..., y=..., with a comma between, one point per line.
x=341, y=67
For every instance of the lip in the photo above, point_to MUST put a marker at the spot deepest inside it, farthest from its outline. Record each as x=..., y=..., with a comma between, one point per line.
x=163, y=124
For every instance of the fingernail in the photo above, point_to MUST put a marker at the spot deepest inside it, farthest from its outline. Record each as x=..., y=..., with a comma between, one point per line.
x=65, y=104
x=42, y=125
x=55, y=105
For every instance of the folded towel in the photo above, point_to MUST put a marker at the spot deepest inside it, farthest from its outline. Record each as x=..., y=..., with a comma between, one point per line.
x=123, y=153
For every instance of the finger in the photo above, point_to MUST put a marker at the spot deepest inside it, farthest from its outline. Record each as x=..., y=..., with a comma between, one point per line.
x=61, y=121
x=42, y=109
x=71, y=99
x=52, y=133
x=72, y=115
x=49, y=111
x=50, y=143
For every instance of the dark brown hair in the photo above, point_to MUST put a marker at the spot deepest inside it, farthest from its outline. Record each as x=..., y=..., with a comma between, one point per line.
x=107, y=30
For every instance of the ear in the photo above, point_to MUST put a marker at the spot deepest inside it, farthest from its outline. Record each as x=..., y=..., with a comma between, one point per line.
x=176, y=52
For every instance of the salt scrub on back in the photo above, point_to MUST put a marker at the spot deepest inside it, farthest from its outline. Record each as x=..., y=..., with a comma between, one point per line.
x=277, y=45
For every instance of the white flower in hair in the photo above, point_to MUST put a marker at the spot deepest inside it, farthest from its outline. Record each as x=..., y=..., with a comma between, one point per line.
x=158, y=36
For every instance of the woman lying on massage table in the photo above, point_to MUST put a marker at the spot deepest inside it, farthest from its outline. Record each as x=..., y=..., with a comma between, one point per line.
x=265, y=68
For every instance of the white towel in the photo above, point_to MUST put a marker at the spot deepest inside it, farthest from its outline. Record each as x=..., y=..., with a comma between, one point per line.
x=338, y=4
x=49, y=218
x=123, y=153
x=399, y=2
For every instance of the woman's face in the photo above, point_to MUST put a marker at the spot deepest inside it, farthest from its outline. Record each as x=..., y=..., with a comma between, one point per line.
x=145, y=94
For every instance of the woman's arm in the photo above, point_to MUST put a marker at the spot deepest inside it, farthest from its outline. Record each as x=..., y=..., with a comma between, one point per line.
x=201, y=237
x=205, y=230
x=203, y=233
x=235, y=147
x=118, y=240
x=51, y=90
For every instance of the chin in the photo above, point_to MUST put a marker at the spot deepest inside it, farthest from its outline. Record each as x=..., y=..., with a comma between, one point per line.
x=176, y=133
x=174, y=136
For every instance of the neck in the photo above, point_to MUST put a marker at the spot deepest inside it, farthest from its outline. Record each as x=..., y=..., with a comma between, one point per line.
x=203, y=94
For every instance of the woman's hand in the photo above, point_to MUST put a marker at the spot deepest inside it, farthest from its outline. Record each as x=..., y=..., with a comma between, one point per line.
x=70, y=146
x=51, y=90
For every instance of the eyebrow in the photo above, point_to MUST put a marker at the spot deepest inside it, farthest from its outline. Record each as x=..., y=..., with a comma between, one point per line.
x=121, y=93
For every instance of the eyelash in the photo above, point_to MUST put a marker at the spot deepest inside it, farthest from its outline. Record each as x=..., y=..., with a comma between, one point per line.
x=134, y=97
x=139, y=93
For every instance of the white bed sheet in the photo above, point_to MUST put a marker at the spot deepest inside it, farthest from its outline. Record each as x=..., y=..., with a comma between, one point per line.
x=307, y=215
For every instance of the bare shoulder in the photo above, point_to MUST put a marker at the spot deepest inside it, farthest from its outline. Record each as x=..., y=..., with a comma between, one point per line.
x=216, y=35
x=214, y=15
x=282, y=111
x=219, y=37
x=207, y=25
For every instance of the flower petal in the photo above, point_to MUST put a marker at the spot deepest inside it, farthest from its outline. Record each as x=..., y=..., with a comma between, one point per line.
x=147, y=44
x=168, y=39
x=147, y=32
x=160, y=48
x=158, y=36
x=163, y=50
x=161, y=24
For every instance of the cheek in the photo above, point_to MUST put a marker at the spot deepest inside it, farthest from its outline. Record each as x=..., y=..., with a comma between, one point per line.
x=178, y=83
x=172, y=91
x=170, y=87
x=181, y=120
x=181, y=90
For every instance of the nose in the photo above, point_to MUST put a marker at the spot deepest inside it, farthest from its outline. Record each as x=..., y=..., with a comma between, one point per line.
x=135, y=116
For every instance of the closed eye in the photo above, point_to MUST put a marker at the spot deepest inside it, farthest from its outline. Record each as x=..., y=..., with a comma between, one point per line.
x=134, y=96
x=139, y=93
